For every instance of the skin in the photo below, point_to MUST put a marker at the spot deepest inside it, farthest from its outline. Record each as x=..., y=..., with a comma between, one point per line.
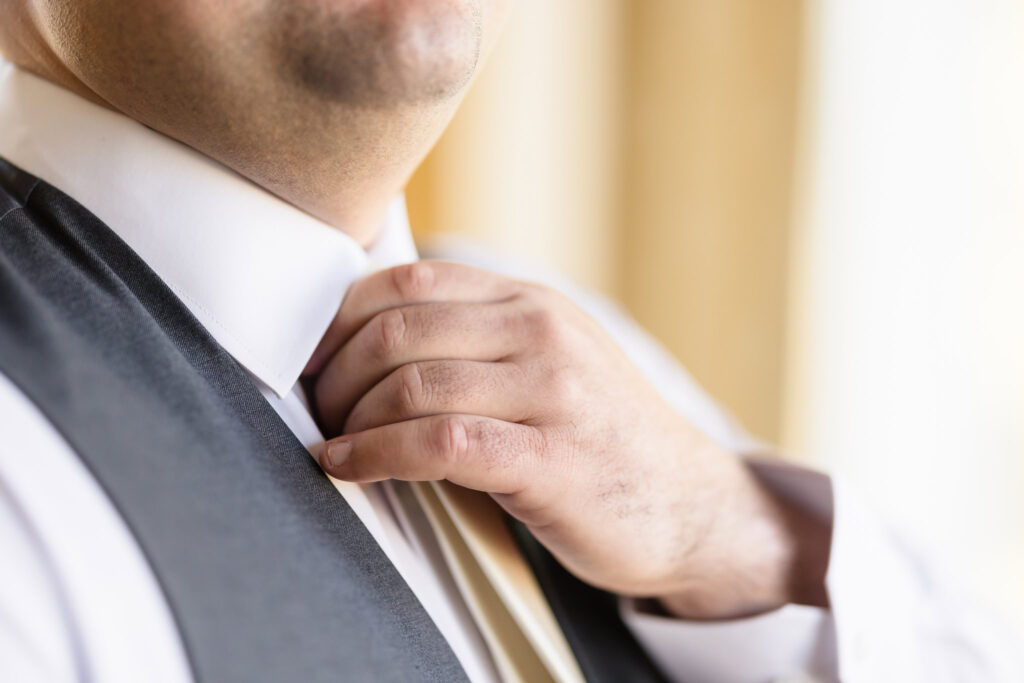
x=437, y=371
x=329, y=104
x=441, y=371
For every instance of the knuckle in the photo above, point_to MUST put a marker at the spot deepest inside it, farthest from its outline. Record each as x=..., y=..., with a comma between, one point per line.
x=413, y=390
x=546, y=327
x=541, y=296
x=563, y=386
x=533, y=291
x=517, y=453
x=389, y=332
x=450, y=439
x=541, y=455
x=413, y=281
x=536, y=445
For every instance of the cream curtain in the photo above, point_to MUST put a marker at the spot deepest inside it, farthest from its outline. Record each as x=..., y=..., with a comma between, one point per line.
x=905, y=359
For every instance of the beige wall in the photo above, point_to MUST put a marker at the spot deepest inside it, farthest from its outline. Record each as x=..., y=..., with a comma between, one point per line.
x=531, y=163
x=711, y=113
x=644, y=148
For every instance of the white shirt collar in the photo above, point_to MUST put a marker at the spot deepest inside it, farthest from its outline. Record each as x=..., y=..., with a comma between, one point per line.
x=262, y=276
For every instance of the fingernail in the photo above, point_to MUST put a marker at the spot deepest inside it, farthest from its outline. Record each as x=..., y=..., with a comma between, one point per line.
x=336, y=453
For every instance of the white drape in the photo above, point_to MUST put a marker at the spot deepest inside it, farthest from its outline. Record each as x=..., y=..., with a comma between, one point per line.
x=906, y=334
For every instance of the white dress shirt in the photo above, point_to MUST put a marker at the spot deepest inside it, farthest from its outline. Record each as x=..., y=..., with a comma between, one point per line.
x=78, y=600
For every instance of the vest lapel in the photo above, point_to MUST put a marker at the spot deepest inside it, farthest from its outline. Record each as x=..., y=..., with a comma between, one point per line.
x=269, y=574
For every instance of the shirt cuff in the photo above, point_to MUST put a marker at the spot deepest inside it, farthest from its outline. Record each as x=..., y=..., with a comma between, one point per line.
x=795, y=642
x=868, y=577
x=789, y=644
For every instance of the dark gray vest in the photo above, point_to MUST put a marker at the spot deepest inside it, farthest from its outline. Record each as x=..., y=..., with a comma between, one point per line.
x=268, y=573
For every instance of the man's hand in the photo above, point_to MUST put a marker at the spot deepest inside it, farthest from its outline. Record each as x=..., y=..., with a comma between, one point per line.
x=440, y=371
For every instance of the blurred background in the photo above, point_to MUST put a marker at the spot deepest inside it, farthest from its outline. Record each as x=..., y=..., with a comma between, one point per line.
x=817, y=206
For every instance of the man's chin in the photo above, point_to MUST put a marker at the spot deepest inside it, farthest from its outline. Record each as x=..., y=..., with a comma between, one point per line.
x=381, y=53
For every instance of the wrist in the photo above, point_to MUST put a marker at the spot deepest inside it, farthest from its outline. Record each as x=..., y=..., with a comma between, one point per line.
x=766, y=552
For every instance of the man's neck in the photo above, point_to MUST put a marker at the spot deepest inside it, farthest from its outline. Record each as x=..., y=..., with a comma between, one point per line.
x=357, y=208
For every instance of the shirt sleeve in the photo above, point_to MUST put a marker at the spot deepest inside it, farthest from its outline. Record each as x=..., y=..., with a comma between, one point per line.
x=34, y=642
x=893, y=617
x=77, y=599
x=796, y=642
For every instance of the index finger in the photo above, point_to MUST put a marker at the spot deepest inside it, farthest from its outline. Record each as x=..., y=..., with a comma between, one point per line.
x=413, y=283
